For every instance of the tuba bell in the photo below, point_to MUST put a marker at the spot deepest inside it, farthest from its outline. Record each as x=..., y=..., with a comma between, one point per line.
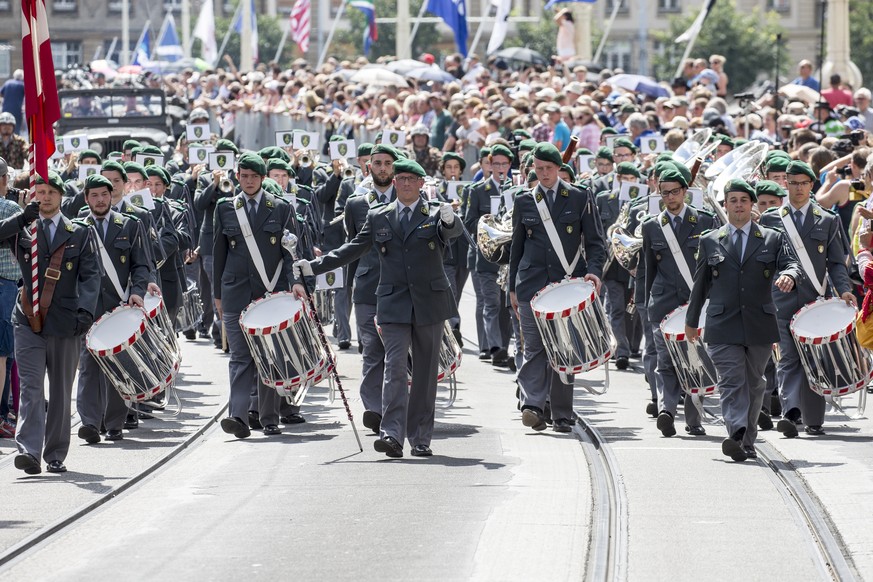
x=625, y=246
x=494, y=237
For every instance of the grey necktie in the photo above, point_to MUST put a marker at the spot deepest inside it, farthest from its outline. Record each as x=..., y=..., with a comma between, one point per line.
x=677, y=222
x=404, y=219
x=47, y=229
x=798, y=219
x=101, y=228
x=738, y=244
x=550, y=196
x=253, y=210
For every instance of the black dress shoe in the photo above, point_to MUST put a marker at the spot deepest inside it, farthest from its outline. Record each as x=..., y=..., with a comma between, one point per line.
x=563, y=425
x=421, y=451
x=89, y=434
x=56, y=467
x=293, y=418
x=457, y=333
x=360, y=348
x=236, y=427
x=345, y=344
x=652, y=409
x=547, y=412
x=814, y=430
x=764, y=422
x=484, y=355
x=372, y=420
x=665, y=424
x=272, y=429
x=787, y=428
x=190, y=334
x=621, y=362
x=775, y=405
x=751, y=453
x=255, y=420
x=500, y=359
x=204, y=335
x=27, y=463
x=733, y=449
x=511, y=365
x=695, y=430
x=131, y=422
x=533, y=418
x=114, y=435
x=389, y=446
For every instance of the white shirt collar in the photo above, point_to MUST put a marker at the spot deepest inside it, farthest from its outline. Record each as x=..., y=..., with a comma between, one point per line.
x=680, y=215
x=803, y=209
x=412, y=207
x=746, y=228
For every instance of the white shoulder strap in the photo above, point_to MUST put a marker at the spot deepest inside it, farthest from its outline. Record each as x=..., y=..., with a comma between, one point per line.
x=254, y=251
x=553, y=234
x=676, y=251
x=110, y=268
x=802, y=255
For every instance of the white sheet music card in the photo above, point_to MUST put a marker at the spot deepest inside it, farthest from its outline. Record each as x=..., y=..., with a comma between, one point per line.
x=656, y=205
x=586, y=163
x=142, y=198
x=454, y=189
x=86, y=170
x=694, y=197
x=75, y=143
x=394, y=138
x=198, y=132
x=342, y=149
x=610, y=140
x=59, y=150
x=199, y=154
x=222, y=161
x=306, y=140
x=330, y=280
x=285, y=139
x=146, y=160
x=495, y=204
x=631, y=190
x=652, y=144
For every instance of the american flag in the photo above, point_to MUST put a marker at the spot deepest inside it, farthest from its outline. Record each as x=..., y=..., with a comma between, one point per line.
x=300, y=24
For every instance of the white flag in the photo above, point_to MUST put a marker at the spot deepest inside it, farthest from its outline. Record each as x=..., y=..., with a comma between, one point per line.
x=501, y=24
x=691, y=34
x=205, y=31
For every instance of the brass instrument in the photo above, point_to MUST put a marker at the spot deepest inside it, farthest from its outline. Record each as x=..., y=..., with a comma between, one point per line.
x=305, y=159
x=494, y=237
x=225, y=186
x=624, y=246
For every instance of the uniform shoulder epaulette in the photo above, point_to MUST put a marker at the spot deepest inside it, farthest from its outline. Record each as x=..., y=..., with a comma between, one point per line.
x=81, y=221
x=131, y=217
x=706, y=212
x=223, y=200
x=708, y=230
x=650, y=217
x=773, y=209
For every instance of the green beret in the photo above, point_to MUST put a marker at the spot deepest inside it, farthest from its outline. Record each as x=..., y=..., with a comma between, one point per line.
x=365, y=149
x=378, y=138
x=583, y=152
x=776, y=164
x=484, y=153
x=114, y=155
x=664, y=157
x=136, y=151
x=225, y=145
x=739, y=185
x=527, y=144
x=502, y=150
x=337, y=137
x=274, y=152
x=272, y=186
x=527, y=159
x=569, y=169
x=90, y=154
x=769, y=188
x=453, y=156
x=405, y=166
x=777, y=154
x=522, y=133
x=547, y=152
x=683, y=169
x=403, y=154
x=608, y=131
x=151, y=150
x=385, y=149
x=627, y=169
x=279, y=164
x=797, y=168
x=158, y=172
x=113, y=166
x=604, y=153
x=54, y=181
x=253, y=162
x=670, y=173
x=740, y=141
x=532, y=177
x=623, y=142
x=725, y=140
x=130, y=144
x=134, y=168
x=97, y=181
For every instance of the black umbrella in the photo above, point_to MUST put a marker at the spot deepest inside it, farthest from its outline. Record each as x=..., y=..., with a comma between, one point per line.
x=523, y=55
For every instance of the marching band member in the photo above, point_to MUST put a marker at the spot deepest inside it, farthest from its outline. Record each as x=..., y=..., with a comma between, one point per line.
x=815, y=239
x=670, y=242
x=48, y=343
x=125, y=280
x=414, y=299
x=248, y=262
x=535, y=262
x=736, y=265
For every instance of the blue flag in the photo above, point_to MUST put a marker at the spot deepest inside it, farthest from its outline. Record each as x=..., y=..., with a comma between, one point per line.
x=169, y=48
x=143, y=48
x=454, y=14
x=371, y=33
x=551, y=3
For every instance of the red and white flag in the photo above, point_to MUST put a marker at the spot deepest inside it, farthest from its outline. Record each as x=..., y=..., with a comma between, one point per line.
x=300, y=24
x=41, y=105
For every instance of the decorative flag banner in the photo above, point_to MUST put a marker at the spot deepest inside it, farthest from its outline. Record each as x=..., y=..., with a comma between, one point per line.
x=690, y=35
x=371, y=33
x=205, y=31
x=237, y=27
x=501, y=24
x=169, y=48
x=300, y=24
x=454, y=14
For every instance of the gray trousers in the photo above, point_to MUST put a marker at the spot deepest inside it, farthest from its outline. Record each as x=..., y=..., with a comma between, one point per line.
x=247, y=392
x=42, y=432
x=537, y=379
x=407, y=410
x=669, y=390
x=457, y=286
x=616, y=308
x=650, y=354
x=342, y=310
x=794, y=390
x=519, y=343
x=373, y=356
x=97, y=400
x=741, y=385
x=772, y=385
x=488, y=293
x=207, y=267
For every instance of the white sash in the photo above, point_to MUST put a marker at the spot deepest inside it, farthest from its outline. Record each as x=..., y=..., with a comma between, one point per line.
x=802, y=255
x=676, y=251
x=110, y=269
x=254, y=251
x=540, y=199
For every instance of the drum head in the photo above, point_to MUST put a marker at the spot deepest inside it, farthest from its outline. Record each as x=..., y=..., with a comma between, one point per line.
x=823, y=319
x=271, y=311
x=674, y=322
x=564, y=295
x=115, y=328
x=151, y=302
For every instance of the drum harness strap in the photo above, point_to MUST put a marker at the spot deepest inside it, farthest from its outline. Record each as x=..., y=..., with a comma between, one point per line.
x=549, y=225
x=802, y=255
x=681, y=263
x=254, y=251
x=50, y=279
x=109, y=267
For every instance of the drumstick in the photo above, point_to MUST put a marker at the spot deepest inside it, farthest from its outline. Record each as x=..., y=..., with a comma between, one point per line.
x=289, y=242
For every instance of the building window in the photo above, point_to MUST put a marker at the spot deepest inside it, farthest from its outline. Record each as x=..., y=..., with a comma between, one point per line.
x=618, y=55
x=66, y=53
x=5, y=5
x=5, y=60
x=781, y=6
x=668, y=6
x=173, y=5
x=624, y=10
x=64, y=5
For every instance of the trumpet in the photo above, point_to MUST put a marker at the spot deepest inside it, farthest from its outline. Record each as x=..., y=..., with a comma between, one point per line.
x=305, y=159
x=225, y=186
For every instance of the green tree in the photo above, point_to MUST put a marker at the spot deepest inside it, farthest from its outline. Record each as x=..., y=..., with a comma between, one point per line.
x=539, y=36
x=861, y=37
x=746, y=40
x=269, y=37
x=349, y=44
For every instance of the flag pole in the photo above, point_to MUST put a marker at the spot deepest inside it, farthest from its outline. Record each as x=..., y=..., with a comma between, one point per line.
x=602, y=45
x=227, y=36
x=339, y=14
x=417, y=22
x=479, y=30
x=282, y=43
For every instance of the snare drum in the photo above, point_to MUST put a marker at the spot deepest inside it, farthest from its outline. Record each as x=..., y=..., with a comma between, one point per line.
x=156, y=311
x=192, y=308
x=694, y=368
x=576, y=334
x=824, y=333
x=132, y=353
x=284, y=343
x=449, y=356
x=322, y=300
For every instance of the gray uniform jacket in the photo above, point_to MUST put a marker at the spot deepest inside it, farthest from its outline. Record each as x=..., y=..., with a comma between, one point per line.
x=367, y=272
x=741, y=309
x=413, y=287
